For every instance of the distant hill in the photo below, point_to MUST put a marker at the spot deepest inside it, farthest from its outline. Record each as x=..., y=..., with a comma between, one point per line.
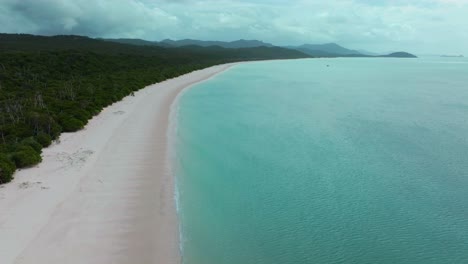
x=331, y=50
x=400, y=54
x=327, y=49
x=242, y=43
x=238, y=44
x=31, y=43
x=138, y=42
x=317, y=53
x=365, y=52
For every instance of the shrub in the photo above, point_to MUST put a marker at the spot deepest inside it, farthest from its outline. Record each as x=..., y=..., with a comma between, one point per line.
x=82, y=115
x=71, y=124
x=55, y=131
x=26, y=156
x=33, y=144
x=7, y=169
x=44, y=139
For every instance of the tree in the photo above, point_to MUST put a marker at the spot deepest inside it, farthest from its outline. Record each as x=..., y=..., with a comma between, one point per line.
x=7, y=169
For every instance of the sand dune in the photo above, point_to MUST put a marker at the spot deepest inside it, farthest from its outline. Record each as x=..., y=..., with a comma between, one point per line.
x=103, y=194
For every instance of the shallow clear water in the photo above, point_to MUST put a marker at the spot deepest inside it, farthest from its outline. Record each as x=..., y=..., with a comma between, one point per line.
x=364, y=161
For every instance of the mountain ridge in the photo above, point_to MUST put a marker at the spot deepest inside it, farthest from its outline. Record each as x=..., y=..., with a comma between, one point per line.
x=327, y=50
x=241, y=43
x=331, y=48
x=335, y=50
x=237, y=44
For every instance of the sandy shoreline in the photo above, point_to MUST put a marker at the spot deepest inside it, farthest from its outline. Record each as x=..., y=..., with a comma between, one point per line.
x=103, y=194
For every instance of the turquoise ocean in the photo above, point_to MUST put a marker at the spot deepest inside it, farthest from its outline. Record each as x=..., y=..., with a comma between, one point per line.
x=361, y=161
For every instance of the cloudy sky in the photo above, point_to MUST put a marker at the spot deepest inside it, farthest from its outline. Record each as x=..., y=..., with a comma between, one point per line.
x=420, y=26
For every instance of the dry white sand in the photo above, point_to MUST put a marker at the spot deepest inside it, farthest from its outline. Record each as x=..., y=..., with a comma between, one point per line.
x=101, y=195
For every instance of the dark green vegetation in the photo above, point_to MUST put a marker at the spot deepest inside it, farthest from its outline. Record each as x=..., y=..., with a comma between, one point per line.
x=50, y=85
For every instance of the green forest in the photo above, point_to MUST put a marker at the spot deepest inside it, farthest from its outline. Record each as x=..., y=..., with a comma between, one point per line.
x=50, y=85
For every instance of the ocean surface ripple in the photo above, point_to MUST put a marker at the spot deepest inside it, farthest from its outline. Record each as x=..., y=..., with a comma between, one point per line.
x=365, y=161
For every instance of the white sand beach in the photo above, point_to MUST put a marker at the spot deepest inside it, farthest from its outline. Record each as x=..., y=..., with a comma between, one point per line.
x=103, y=194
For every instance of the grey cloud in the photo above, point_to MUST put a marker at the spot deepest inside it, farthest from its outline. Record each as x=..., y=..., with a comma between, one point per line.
x=424, y=25
x=85, y=17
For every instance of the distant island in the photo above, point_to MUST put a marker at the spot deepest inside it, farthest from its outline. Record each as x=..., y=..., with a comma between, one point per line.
x=400, y=54
x=452, y=56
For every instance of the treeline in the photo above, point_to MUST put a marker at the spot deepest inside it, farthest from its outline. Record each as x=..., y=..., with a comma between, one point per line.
x=50, y=85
